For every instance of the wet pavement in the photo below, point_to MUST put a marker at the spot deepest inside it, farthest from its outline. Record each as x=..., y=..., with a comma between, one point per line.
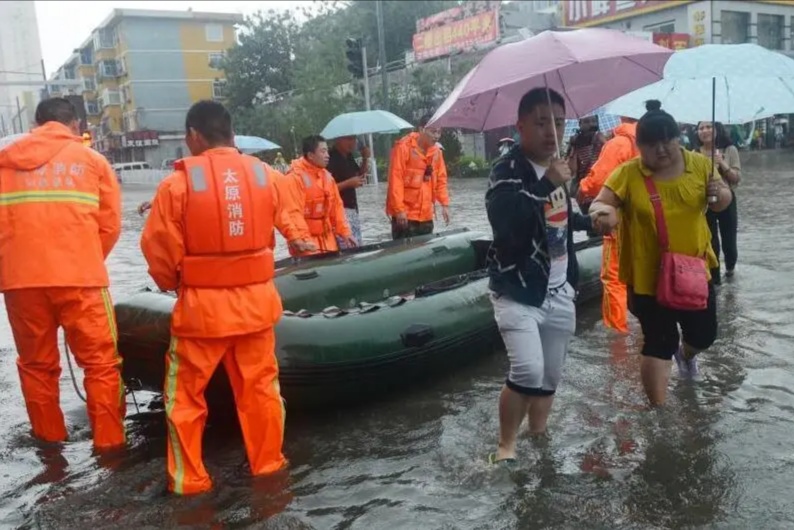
x=719, y=456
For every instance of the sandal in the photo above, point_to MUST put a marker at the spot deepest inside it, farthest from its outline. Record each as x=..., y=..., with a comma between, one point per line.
x=509, y=462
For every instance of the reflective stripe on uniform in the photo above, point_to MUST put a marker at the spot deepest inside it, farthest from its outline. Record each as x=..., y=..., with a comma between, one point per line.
x=307, y=180
x=19, y=197
x=261, y=176
x=198, y=178
x=111, y=316
x=170, y=399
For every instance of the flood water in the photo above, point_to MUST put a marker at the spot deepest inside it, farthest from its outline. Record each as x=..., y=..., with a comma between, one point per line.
x=719, y=456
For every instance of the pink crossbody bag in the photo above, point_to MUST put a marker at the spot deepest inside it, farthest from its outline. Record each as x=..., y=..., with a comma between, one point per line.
x=682, y=283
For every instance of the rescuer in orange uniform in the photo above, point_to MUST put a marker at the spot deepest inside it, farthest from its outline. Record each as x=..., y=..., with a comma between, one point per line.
x=209, y=237
x=60, y=216
x=417, y=180
x=314, y=199
x=621, y=148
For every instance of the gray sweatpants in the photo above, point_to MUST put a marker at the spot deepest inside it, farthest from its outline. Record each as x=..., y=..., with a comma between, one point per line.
x=536, y=339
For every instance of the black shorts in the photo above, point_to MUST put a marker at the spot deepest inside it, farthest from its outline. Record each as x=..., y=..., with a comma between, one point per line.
x=660, y=325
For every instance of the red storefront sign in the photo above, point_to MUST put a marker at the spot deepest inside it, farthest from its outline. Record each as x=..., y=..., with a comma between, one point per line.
x=457, y=36
x=673, y=41
x=593, y=12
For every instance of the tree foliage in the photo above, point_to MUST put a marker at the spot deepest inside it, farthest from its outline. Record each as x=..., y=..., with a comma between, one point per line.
x=261, y=64
x=288, y=79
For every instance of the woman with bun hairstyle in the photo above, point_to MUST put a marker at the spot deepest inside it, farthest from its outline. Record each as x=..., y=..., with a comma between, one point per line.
x=724, y=224
x=683, y=182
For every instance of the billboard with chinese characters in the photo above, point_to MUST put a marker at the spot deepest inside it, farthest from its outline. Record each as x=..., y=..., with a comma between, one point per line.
x=699, y=16
x=456, y=36
x=583, y=13
x=673, y=41
x=140, y=139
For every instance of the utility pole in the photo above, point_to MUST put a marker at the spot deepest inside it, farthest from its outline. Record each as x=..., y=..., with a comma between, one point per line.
x=44, y=77
x=357, y=65
x=384, y=76
x=19, y=115
x=368, y=107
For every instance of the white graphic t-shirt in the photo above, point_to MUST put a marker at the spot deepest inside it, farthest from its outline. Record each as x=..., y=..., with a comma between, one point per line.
x=556, y=212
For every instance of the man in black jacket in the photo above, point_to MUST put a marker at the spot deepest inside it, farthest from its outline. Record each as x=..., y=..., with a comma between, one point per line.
x=532, y=265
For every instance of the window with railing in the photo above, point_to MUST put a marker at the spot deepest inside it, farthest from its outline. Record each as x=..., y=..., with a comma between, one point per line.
x=125, y=94
x=107, y=68
x=219, y=89
x=121, y=67
x=87, y=56
x=770, y=31
x=105, y=39
x=111, y=97
x=89, y=84
x=130, y=122
x=91, y=108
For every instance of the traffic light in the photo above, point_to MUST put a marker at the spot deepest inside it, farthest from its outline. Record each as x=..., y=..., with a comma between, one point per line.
x=87, y=139
x=355, y=62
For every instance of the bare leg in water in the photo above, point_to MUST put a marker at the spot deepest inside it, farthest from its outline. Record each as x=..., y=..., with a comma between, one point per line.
x=513, y=407
x=655, y=374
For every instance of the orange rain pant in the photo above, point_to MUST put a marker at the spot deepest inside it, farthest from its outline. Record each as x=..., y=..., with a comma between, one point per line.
x=250, y=363
x=88, y=320
x=613, y=302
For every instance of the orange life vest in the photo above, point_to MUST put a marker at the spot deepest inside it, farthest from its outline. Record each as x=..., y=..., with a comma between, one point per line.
x=317, y=202
x=416, y=168
x=229, y=218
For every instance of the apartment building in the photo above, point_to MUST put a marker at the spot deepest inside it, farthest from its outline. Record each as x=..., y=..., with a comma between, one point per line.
x=140, y=72
x=21, y=74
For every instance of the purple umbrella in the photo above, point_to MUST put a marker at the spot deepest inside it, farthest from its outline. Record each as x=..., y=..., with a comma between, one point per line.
x=589, y=67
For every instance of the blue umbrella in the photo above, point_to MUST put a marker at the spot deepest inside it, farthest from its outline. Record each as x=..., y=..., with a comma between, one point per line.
x=253, y=144
x=606, y=123
x=748, y=82
x=365, y=122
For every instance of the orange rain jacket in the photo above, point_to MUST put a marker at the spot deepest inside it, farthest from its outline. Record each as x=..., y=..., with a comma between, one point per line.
x=617, y=151
x=60, y=211
x=210, y=237
x=409, y=190
x=316, y=205
x=621, y=148
x=60, y=216
x=233, y=311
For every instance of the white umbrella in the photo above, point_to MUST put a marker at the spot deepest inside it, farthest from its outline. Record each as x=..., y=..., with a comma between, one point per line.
x=748, y=82
x=365, y=122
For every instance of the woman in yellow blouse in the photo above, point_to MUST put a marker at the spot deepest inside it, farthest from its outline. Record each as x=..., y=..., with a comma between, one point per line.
x=683, y=180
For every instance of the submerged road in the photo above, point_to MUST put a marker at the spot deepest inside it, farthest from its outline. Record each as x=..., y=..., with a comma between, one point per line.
x=719, y=456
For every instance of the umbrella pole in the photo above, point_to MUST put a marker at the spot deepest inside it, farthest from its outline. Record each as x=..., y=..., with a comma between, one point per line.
x=372, y=159
x=713, y=131
x=551, y=114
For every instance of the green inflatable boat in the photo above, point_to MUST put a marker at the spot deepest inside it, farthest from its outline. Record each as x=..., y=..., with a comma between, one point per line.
x=358, y=322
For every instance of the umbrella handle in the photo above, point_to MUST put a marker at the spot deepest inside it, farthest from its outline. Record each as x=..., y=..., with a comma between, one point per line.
x=551, y=113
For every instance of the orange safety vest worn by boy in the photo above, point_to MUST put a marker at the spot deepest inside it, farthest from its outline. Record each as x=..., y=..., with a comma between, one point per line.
x=60, y=216
x=314, y=198
x=618, y=150
x=417, y=180
x=209, y=237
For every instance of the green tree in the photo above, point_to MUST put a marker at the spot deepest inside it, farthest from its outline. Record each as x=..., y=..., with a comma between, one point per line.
x=261, y=64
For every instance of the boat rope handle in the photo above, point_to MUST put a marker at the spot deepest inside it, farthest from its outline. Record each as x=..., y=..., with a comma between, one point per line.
x=128, y=389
